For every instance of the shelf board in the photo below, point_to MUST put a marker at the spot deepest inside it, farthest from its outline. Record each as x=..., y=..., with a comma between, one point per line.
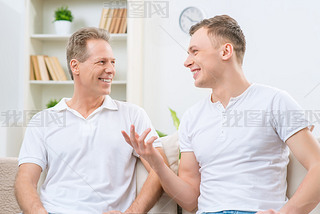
x=56, y=37
x=69, y=82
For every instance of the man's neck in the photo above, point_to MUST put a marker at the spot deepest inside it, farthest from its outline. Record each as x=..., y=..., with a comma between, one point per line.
x=85, y=105
x=230, y=87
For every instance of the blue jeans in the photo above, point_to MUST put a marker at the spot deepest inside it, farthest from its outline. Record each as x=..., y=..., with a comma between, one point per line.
x=230, y=212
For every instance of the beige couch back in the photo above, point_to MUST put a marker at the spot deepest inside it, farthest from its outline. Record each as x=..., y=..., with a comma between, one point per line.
x=8, y=170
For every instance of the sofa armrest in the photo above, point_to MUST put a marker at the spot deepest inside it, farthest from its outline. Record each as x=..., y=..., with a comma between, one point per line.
x=8, y=171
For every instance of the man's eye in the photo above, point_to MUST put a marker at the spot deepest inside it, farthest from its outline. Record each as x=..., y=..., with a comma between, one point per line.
x=102, y=62
x=113, y=62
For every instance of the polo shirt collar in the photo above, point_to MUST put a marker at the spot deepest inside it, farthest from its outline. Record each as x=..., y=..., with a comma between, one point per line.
x=108, y=103
x=62, y=105
x=232, y=100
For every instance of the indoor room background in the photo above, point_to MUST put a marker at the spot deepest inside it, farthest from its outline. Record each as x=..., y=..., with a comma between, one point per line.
x=283, y=43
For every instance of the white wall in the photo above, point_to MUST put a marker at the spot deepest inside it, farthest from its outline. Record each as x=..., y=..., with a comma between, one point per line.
x=283, y=39
x=11, y=72
x=283, y=43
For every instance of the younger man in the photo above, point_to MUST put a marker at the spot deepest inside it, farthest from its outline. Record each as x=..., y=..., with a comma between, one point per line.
x=235, y=143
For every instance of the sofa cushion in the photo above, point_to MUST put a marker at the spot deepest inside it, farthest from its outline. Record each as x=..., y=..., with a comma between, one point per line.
x=8, y=170
x=170, y=146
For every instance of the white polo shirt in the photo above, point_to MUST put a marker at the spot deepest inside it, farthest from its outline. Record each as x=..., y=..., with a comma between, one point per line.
x=91, y=169
x=241, y=149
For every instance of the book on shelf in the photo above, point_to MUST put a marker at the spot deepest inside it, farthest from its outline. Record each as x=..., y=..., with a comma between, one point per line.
x=35, y=66
x=104, y=17
x=43, y=68
x=123, y=24
x=109, y=19
x=32, y=73
x=118, y=20
x=51, y=69
x=58, y=68
x=114, y=20
x=46, y=68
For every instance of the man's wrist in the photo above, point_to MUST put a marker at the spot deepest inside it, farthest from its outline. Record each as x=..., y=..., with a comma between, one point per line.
x=135, y=209
x=158, y=166
x=289, y=210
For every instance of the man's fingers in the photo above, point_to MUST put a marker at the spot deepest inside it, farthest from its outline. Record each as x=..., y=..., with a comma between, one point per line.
x=136, y=135
x=151, y=140
x=144, y=135
x=138, y=142
x=149, y=143
x=126, y=137
x=133, y=137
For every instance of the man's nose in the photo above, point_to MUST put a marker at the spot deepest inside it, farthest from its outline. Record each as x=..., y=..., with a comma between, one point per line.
x=109, y=68
x=189, y=61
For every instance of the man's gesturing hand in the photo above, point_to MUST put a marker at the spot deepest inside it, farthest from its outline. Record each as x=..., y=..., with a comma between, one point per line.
x=144, y=149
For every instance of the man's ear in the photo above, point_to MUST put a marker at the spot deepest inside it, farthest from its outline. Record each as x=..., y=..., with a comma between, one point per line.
x=227, y=51
x=74, y=66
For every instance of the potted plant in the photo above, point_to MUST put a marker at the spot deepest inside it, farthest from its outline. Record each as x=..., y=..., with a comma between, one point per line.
x=51, y=103
x=63, y=18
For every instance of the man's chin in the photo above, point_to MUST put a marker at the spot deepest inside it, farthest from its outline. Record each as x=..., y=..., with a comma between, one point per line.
x=198, y=84
x=201, y=85
x=106, y=92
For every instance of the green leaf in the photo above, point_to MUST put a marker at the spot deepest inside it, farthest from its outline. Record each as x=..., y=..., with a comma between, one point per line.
x=63, y=13
x=161, y=134
x=52, y=103
x=176, y=121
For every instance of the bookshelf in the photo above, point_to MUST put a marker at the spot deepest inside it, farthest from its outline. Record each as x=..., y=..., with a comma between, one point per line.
x=68, y=82
x=42, y=40
x=54, y=37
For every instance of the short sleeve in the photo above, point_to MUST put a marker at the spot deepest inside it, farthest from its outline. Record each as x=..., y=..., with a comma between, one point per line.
x=33, y=149
x=184, y=134
x=287, y=115
x=143, y=122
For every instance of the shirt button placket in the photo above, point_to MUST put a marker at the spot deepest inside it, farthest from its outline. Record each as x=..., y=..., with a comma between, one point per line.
x=224, y=123
x=87, y=128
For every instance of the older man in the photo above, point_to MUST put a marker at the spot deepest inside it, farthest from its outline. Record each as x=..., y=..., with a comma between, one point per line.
x=90, y=167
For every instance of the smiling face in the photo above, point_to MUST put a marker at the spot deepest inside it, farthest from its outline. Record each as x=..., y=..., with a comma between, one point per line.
x=204, y=59
x=94, y=76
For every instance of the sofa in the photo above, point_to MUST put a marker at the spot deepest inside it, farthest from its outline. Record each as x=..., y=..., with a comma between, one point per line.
x=165, y=205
